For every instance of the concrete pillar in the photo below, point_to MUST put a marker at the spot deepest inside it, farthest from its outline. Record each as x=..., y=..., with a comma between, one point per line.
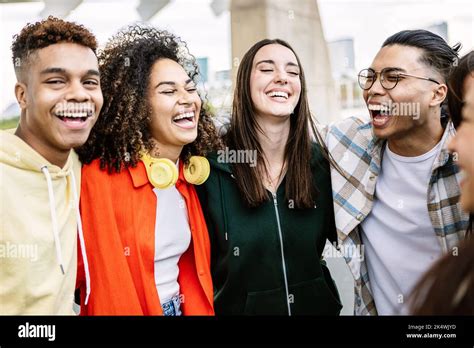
x=298, y=23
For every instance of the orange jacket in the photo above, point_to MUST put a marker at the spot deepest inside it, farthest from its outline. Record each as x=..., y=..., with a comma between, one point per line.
x=118, y=214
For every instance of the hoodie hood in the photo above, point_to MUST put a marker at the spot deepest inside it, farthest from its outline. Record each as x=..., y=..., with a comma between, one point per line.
x=16, y=153
x=31, y=180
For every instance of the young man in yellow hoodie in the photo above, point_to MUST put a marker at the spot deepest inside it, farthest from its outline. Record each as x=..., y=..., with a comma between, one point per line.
x=58, y=90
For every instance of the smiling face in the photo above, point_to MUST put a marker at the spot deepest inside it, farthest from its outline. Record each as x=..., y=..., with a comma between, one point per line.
x=275, y=84
x=413, y=102
x=60, y=97
x=463, y=143
x=175, y=106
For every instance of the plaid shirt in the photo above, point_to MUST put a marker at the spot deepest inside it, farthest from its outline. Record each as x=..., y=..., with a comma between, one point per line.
x=358, y=153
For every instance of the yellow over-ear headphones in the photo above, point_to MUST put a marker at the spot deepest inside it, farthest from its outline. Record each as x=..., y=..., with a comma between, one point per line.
x=163, y=173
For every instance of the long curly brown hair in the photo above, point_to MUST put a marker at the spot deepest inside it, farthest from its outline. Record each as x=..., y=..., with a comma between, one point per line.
x=123, y=127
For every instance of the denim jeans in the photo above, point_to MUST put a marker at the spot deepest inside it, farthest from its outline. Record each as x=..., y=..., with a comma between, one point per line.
x=172, y=307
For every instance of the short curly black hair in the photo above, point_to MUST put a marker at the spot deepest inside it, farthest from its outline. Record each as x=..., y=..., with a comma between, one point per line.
x=47, y=32
x=123, y=127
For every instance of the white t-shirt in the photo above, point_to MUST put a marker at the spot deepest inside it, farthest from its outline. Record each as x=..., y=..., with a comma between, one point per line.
x=172, y=239
x=399, y=239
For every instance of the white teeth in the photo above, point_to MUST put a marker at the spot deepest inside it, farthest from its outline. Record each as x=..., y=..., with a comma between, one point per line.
x=375, y=107
x=384, y=109
x=183, y=115
x=278, y=94
x=75, y=114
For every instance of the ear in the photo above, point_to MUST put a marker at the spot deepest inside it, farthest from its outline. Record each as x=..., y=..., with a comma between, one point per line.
x=439, y=95
x=20, y=94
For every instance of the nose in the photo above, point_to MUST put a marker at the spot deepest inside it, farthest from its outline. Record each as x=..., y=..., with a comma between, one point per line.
x=184, y=96
x=376, y=88
x=77, y=92
x=281, y=77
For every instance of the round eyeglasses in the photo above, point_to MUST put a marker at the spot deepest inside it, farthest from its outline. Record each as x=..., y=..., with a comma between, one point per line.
x=389, y=78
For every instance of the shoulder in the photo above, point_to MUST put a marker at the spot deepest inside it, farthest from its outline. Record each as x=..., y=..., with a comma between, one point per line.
x=93, y=174
x=350, y=124
x=320, y=166
x=317, y=154
x=93, y=169
x=350, y=132
x=220, y=161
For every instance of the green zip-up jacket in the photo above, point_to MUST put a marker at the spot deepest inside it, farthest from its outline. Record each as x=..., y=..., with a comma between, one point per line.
x=267, y=260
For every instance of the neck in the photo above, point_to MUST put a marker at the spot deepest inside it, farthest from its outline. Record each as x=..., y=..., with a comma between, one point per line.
x=170, y=152
x=54, y=156
x=419, y=141
x=273, y=140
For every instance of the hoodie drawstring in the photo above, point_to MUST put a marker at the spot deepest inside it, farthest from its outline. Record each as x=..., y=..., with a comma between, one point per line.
x=57, y=243
x=81, y=238
x=54, y=220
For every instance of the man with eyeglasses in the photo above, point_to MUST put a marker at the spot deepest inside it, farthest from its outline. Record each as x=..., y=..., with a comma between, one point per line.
x=397, y=205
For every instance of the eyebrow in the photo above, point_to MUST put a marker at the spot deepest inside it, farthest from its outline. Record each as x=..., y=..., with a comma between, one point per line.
x=269, y=61
x=172, y=83
x=63, y=71
x=391, y=68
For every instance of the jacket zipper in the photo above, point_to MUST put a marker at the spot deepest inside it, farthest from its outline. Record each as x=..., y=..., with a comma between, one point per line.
x=275, y=204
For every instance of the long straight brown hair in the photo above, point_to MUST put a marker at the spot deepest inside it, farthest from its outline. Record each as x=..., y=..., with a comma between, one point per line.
x=243, y=135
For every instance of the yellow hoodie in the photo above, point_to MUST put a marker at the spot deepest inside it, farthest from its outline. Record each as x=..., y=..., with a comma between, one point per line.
x=39, y=217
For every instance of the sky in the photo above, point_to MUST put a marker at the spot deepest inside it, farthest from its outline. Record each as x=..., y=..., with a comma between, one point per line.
x=371, y=22
x=367, y=22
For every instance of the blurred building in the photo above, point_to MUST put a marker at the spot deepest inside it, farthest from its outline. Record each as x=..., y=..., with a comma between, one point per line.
x=439, y=28
x=298, y=22
x=203, y=65
x=348, y=92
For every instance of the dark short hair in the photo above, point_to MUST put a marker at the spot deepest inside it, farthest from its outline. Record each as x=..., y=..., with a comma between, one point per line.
x=48, y=32
x=459, y=74
x=437, y=53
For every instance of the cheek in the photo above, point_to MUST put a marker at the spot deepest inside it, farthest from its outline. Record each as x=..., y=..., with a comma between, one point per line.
x=160, y=110
x=365, y=95
x=197, y=102
x=40, y=104
x=297, y=89
x=98, y=99
x=253, y=88
x=259, y=82
x=42, y=99
x=464, y=146
x=255, y=96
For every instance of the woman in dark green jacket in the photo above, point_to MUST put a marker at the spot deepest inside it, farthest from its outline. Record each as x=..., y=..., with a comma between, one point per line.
x=268, y=201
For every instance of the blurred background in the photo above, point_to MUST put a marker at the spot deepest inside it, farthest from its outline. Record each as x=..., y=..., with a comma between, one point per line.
x=334, y=39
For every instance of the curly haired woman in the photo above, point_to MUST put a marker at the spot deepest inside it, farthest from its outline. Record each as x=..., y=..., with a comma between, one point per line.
x=146, y=239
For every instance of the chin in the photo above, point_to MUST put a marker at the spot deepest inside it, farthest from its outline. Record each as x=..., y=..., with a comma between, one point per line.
x=382, y=133
x=70, y=144
x=187, y=140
